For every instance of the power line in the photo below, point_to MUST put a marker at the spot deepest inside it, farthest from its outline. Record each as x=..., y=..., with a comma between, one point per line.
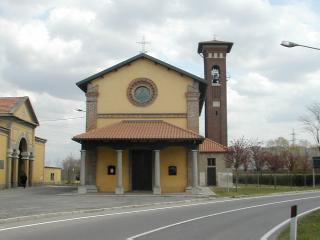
x=60, y=119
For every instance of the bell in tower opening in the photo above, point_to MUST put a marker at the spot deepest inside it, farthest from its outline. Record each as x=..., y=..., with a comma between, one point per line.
x=215, y=72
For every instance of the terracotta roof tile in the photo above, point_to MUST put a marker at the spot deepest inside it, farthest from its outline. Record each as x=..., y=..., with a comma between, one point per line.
x=139, y=130
x=8, y=103
x=211, y=146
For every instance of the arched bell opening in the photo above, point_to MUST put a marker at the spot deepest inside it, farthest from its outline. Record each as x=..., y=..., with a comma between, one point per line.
x=215, y=74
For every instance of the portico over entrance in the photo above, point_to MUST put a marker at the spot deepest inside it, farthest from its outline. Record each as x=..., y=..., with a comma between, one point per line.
x=139, y=155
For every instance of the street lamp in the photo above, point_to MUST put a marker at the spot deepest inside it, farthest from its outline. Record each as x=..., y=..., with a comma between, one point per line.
x=289, y=44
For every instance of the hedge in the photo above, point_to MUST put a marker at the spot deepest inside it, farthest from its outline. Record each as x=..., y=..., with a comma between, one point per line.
x=281, y=179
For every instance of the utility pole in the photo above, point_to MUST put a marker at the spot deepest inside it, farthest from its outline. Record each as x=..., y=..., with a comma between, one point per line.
x=293, y=137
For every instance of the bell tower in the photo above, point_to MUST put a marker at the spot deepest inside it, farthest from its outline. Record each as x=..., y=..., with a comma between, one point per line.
x=214, y=55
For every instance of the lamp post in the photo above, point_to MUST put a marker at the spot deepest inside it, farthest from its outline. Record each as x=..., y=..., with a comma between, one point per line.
x=289, y=44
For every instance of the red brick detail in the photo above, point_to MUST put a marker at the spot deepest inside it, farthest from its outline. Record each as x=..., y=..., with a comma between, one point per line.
x=91, y=109
x=193, y=107
x=216, y=117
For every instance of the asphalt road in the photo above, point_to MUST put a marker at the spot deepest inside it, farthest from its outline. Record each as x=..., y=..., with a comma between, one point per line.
x=247, y=218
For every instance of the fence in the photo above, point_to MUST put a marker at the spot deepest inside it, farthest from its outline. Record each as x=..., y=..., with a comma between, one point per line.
x=277, y=178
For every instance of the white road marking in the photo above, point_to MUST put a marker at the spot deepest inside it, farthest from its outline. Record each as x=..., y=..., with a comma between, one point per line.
x=215, y=214
x=152, y=209
x=277, y=227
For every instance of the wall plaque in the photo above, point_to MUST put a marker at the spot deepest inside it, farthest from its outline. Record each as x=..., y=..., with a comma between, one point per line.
x=111, y=170
x=172, y=170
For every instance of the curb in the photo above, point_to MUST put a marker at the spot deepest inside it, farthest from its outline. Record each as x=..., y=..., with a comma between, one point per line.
x=56, y=214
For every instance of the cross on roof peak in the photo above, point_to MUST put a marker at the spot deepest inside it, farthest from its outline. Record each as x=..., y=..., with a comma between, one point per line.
x=215, y=36
x=143, y=43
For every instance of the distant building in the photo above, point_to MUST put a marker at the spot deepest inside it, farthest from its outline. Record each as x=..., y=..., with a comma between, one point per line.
x=21, y=152
x=142, y=126
x=52, y=175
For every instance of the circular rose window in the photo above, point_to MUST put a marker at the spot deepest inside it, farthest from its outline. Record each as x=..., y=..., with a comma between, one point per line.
x=142, y=92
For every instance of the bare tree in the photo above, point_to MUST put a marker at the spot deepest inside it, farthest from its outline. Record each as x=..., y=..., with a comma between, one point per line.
x=274, y=162
x=291, y=161
x=311, y=122
x=304, y=164
x=238, y=155
x=70, y=169
x=257, y=153
x=258, y=157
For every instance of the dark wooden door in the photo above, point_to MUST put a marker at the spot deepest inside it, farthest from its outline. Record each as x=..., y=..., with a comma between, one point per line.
x=211, y=176
x=141, y=170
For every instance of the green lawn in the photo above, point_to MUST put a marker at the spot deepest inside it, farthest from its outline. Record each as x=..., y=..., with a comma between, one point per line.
x=252, y=189
x=308, y=228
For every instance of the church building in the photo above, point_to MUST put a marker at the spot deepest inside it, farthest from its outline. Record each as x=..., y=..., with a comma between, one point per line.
x=142, y=125
x=21, y=152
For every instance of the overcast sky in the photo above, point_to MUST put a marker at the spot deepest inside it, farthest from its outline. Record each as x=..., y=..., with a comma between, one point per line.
x=47, y=46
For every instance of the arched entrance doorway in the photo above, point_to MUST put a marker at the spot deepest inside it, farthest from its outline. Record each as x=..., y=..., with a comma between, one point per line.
x=22, y=162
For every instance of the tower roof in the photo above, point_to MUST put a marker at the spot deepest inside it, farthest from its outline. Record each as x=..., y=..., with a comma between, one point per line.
x=214, y=43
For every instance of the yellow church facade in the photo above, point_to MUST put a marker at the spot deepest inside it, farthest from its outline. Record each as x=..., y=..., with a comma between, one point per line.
x=142, y=130
x=21, y=152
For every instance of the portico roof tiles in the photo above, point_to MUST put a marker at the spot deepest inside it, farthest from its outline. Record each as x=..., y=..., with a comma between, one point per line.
x=139, y=130
x=209, y=146
x=8, y=103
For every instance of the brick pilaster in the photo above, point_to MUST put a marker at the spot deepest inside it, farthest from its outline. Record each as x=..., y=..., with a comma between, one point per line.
x=92, y=95
x=192, y=96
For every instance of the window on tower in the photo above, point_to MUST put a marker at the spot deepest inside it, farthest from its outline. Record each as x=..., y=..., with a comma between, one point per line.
x=215, y=73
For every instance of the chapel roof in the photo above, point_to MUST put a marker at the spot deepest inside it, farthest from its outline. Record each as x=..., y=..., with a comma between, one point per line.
x=8, y=106
x=140, y=130
x=210, y=146
x=202, y=82
x=83, y=83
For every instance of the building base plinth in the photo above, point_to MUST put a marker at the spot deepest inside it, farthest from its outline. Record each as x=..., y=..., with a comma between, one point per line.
x=198, y=191
x=156, y=190
x=119, y=190
x=82, y=189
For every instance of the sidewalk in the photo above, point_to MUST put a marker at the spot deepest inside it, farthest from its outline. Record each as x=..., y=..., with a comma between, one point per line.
x=51, y=199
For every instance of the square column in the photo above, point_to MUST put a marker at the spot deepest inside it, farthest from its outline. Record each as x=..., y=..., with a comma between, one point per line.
x=31, y=161
x=119, y=188
x=9, y=168
x=15, y=166
x=25, y=159
x=157, y=185
x=195, y=168
x=82, y=189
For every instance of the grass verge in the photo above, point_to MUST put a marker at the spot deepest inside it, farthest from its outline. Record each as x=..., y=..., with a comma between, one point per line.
x=308, y=228
x=253, y=189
